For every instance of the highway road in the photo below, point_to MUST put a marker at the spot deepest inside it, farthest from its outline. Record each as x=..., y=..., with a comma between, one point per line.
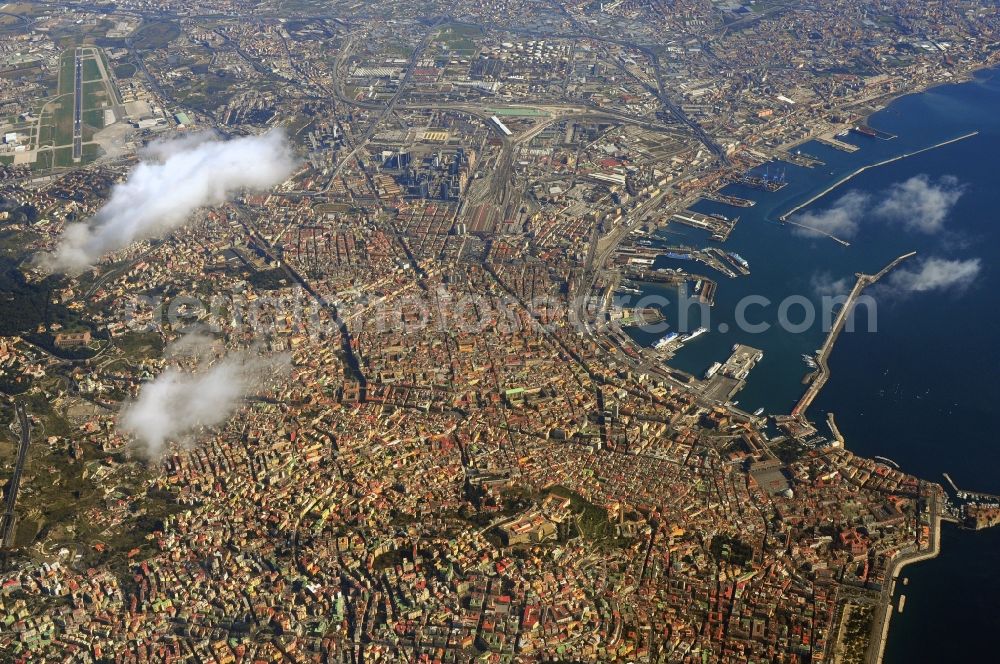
x=7, y=529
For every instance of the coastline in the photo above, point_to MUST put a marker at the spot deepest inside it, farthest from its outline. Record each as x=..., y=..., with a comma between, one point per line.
x=880, y=627
x=884, y=608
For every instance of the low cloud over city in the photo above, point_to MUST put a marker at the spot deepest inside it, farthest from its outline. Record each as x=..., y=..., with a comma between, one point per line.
x=178, y=401
x=173, y=180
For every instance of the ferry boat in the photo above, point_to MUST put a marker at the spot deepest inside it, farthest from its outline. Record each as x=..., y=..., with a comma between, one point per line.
x=665, y=339
x=739, y=259
x=712, y=369
x=697, y=333
x=758, y=412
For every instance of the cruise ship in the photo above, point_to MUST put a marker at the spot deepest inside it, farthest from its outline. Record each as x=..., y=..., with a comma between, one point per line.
x=665, y=339
x=694, y=335
x=739, y=259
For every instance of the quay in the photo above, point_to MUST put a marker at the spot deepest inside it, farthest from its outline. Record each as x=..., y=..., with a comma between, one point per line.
x=861, y=170
x=726, y=199
x=832, y=142
x=800, y=158
x=823, y=355
x=837, y=436
x=719, y=226
x=730, y=376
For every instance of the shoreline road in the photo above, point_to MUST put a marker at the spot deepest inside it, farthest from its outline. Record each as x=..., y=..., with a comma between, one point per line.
x=883, y=611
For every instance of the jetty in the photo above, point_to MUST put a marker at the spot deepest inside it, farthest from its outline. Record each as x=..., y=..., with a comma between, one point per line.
x=820, y=232
x=964, y=494
x=861, y=170
x=823, y=354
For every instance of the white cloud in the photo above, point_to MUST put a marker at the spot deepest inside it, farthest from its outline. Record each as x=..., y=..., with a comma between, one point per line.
x=936, y=274
x=823, y=284
x=920, y=204
x=841, y=220
x=173, y=180
x=178, y=402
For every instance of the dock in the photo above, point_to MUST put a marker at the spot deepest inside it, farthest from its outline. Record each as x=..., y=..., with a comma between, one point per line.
x=731, y=376
x=832, y=142
x=712, y=257
x=719, y=226
x=726, y=199
x=832, y=424
x=823, y=355
x=971, y=495
x=800, y=158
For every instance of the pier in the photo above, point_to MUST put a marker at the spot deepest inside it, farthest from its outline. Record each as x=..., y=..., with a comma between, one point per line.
x=819, y=232
x=823, y=355
x=861, y=170
x=971, y=495
x=800, y=158
x=831, y=142
x=719, y=226
x=834, y=430
x=726, y=199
